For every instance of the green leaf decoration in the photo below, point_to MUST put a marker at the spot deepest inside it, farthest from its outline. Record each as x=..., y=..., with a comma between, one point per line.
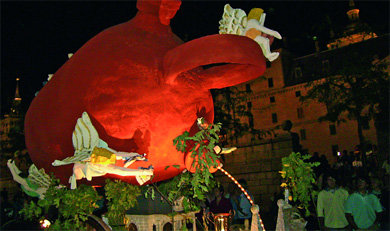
x=299, y=177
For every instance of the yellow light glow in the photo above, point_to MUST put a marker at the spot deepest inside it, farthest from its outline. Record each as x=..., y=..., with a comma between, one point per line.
x=45, y=223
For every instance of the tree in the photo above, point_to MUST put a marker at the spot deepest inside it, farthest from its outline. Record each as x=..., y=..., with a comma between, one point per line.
x=231, y=108
x=356, y=88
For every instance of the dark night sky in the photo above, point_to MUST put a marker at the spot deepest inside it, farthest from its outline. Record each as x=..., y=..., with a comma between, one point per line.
x=37, y=36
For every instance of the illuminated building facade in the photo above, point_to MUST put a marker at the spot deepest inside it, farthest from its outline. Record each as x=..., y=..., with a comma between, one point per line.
x=274, y=98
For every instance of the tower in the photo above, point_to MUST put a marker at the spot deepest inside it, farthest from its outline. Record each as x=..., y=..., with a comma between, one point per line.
x=356, y=31
x=11, y=126
x=15, y=110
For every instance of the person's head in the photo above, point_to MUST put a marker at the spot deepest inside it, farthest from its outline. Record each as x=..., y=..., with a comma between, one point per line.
x=330, y=180
x=376, y=183
x=243, y=183
x=362, y=183
x=231, y=188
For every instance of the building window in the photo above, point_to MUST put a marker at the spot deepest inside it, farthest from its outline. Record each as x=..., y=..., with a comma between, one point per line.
x=325, y=66
x=250, y=120
x=297, y=93
x=365, y=123
x=300, y=113
x=249, y=105
x=332, y=129
x=274, y=118
x=298, y=72
x=335, y=149
x=272, y=99
x=270, y=82
x=302, y=133
x=248, y=87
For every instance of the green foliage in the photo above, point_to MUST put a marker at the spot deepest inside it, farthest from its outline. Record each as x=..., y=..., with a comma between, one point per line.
x=299, y=177
x=204, y=156
x=191, y=186
x=121, y=197
x=73, y=206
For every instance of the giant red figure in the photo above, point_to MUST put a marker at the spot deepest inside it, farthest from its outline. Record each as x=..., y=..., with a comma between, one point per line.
x=141, y=86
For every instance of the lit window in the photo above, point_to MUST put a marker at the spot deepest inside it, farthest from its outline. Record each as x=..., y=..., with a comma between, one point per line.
x=274, y=118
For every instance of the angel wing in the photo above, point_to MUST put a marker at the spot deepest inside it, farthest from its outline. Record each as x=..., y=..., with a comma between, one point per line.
x=233, y=21
x=39, y=177
x=84, y=138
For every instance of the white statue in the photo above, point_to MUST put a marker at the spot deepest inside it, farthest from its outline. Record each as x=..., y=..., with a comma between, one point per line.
x=235, y=21
x=93, y=157
x=37, y=182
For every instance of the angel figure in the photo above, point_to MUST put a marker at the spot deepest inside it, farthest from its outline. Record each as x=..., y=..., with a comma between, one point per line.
x=235, y=21
x=35, y=184
x=93, y=157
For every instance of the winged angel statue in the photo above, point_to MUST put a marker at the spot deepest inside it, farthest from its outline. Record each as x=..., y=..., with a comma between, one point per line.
x=93, y=157
x=235, y=21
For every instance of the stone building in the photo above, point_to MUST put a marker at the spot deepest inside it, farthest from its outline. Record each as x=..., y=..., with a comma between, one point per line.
x=275, y=98
x=12, y=139
x=12, y=120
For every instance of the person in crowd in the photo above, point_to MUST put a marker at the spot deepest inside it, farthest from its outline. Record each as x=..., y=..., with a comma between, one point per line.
x=220, y=204
x=357, y=165
x=346, y=174
x=330, y=204
x=233, y=193
x=385, y=171
x=372, y=161
x=324, y=166
x=338, y=166
x=344, y=156
x=244, y=206
x=383, y=195
x=363, y=208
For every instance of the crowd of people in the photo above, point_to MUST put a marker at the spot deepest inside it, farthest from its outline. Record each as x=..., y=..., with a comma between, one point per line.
x=353, y=195
x=232, y=201
x=353, y=192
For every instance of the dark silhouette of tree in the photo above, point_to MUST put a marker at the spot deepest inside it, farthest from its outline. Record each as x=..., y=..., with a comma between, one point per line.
x=356, y=87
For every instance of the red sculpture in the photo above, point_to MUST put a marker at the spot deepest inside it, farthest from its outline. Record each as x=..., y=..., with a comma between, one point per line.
x=141, y=86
